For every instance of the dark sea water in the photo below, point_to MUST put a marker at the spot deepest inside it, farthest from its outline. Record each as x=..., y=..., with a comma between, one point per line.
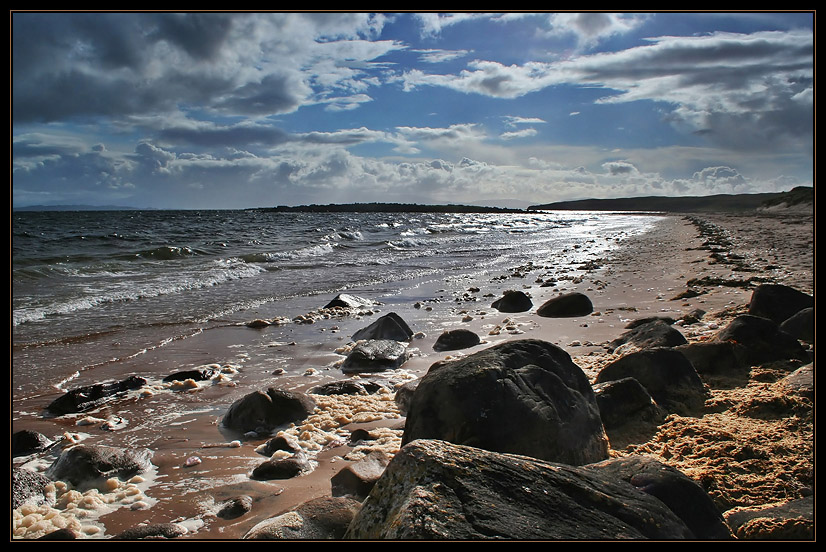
x=87, y=283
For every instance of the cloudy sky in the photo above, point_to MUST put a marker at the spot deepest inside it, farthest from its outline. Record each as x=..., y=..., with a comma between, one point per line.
x=210, y=110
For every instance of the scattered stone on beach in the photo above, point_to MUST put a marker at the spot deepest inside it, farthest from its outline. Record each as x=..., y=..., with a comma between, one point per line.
x=778, y=302
x=375, y=355
x=235, y=507
x=390, y=326
x=283, y=468
x=26, y=441
x=647, y=334
x=281, y=442
x=83, y=465
x=625, y=401
x=792, y=521
x=347, y=301
x=513, y=301
x=760, y=340
x=325, y=518
x=86, y=398
x=197, y=374
x=358, y=478
x=666, y=374
x=434, y=489
x=565, y=306
x=152, y=532
x=533, y=385
x=267, y=410
x=454, y=340
x=29, y=486
x=801, y=325
x=715, y=358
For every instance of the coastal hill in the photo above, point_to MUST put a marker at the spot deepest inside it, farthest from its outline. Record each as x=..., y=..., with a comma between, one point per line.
x=801, y=196
x=387, y=208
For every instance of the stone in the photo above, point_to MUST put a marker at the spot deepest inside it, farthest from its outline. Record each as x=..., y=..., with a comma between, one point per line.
x=404, y=395
x=648, y=334
x=759, y=340
x=278, y=443
x=325, y=518
x=347, y=301
x=801, y=325
x=714, y=358
x=800, y=382
x=89, y=397
x=666, y=374
x=235, y=507
x=532, y=385
x=792, y=521
x=26, y=441
x=454, y=340
x=778, y=302
x=346, y=387
x=85, y=465
x=29, y=486
x=566, y=306
x=390, y=326
x=197, y=374
x=513, y=301
x=284, y=468
x=152, y=532
x=375, y=355
x=436, y=490
x=625, y=401
x=259, y=410
x=358, y=478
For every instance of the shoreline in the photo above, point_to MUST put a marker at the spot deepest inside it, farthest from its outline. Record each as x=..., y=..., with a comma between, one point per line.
x=640, y=278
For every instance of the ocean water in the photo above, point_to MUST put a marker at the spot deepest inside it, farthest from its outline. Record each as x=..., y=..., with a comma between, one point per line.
x=92, y=287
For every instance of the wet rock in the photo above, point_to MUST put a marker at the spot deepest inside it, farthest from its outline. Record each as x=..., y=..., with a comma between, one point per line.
x=649, y=334
x=791, y=521
x=800, y=382
x=28, y=486
x=257, y=323
x=267, y=410
x=346, y=387
x=375, y=355
x=152, y=532
x=531, y=385
x=284, y=468
x=83, y=465
x=197, y=374
x=437, y=490
x=347, y=301
x=759, y=340
x=625, y=401
x=325, y=518
x=566, y=306
x=666, y=374
x=453, y=340
x=778, y=302
x=390, y=326
x=92, y=396
x=404, y=395
x=27, y=442
x=278, y=443
x=358, y=478
x=235, y=507
x=801, y=325
x=513, y=301
x=60, y=535
x=710, y=358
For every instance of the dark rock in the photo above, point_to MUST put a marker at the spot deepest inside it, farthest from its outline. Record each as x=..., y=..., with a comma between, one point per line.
x=235, y=507
x=437, y=490
x=152, y=532
x=566, y=306
x=60, y=535
x=642, y=321
x=347, y=301
x=666, y=374
x=267, y=410
x=454, y=340
x=513, y=301
x=713, y=358
x=360, y=434
x=482, y=399
x=346, y=387
x=28, y=486
x=358, y=478
x=389, y=326
x=257, y=323
x=93, y=396
x=650, y=334
x=27, y=442
x=693, y=317
x=800, y=382
x=202, y=374
x=778, y=302
x=801, y=325
x=375, y=355
x=281, y=442
x=83, y=465
x=284, y=468
x=404, y=395
x=625, y=401
x=792, y=521
x=325, y=518
x=760, y=340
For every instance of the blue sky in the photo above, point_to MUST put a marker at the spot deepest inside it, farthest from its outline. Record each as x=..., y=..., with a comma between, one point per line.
x=214, y=110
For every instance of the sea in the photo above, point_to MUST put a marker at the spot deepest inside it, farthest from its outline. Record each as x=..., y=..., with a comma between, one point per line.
x=93, y=289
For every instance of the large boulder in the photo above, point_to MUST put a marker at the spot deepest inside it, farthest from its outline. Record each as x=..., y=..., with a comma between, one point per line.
x=714, y=358
x=389, y=326
x=88, y=397
x=325, y=518
x=801, y=325
x=513, y=301
x=28, y=486
x=778, y=302
x=375, y=355
x=760, y=340
x=435, y=490
x=26, y=441
x=283, y=468
x=83, y=465
x=625, y=401
x=525, y=397
x=666, y=374
x=793, y=521
x=262, y=412
x=358, y=478
x=566, y=306
x=651, y=333
x=453, y=340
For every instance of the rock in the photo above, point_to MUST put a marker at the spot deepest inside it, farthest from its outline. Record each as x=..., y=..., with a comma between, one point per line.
x=280, y=442
x=347, y=301
x=375, y=355
x=435, y=490
x=284, y=468
x=346, y=387
x=325, y=518
x=257, y=323
x=83, y=465
x=649, y=334
x=714, y=358
x=390, y=326
x=453, y=340
x=760, y=340
x=793, y=520
x=625, y=401
x=666, y=374
x=566, y=306
x=267, y=411
x=801, y=325
x=800, y=382
x=197, y=374
x=513, y=301
x=404, y=395
x=642, y=321
x=235, y=507
x=93, y=396
x=778, y=302
x=29, y=486
x=152, y=532
x=358, y=478
x=60, y=535
x=531, y=385
x=27, y=442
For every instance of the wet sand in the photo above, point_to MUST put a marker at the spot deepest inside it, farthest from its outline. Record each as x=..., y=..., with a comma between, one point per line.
x=642, y=277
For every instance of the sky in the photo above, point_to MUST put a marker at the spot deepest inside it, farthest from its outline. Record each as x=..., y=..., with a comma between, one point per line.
x=239, y=110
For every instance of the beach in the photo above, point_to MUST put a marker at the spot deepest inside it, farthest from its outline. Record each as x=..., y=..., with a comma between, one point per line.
x=198, y=465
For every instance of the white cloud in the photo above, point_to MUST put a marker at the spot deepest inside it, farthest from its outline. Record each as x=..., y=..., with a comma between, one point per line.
x=524, y=133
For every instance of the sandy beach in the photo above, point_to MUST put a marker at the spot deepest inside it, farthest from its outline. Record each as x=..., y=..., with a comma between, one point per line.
x=643, y=276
